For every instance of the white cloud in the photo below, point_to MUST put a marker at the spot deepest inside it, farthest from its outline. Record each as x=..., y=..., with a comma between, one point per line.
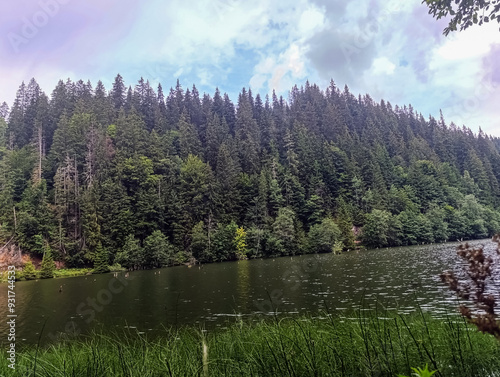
x=310, y=21
x=262, y=71
x=383, y=66
x=282, y=72
x=283, y=65
x=474, y=43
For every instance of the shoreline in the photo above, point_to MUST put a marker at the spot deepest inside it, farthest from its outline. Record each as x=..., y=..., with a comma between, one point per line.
x=74, y=272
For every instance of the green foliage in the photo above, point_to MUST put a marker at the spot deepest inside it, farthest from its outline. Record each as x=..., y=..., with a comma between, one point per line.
x=35, y=219
x=29, y=272
x=344, y=222
x=366, y=346
x=421, y=372
x=19, y=275
x=200, y=246
x=256, y=239
x=377, y=228
x=158, y=251
x=189, y=142
x=240, y=243
x=315, y=209
x=338, y=247
x=464, y=13
x=111, y=131
x=283, y=238
x=224, y=241
x=70, y=272
x=325, y=237
x=101, y=262
x=440, y=228
x=159, y=181
x=181, y=257
x=48, y=265
x=116, y=268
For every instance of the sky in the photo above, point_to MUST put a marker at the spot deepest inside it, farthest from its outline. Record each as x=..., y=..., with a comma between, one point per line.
x=392, y=49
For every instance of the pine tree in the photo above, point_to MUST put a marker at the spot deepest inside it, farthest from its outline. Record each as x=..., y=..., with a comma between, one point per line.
x=101, y=263
x=226, y=178
x=118, y=94
x=223, y=241
x=200, y=246
x=4, y=110
x=283, y=240
x=217, y=132
x=189, y=141
x=344, y=221
x=29, y=271
x=48, y=265
x=247, y=135
x=131, y=256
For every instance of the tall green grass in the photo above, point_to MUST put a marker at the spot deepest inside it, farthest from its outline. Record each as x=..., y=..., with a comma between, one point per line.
x=366, y=344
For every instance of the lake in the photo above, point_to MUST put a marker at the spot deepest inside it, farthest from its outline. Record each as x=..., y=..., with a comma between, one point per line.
x=215, y=295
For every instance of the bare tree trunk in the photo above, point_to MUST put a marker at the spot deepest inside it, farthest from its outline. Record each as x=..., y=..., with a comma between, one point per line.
x=209, y=226
x=40, y=152
x=76, y=207
x=15, y=219
x=90, y=163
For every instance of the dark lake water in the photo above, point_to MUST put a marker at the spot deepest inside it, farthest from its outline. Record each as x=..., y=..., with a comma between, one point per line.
x=215, y=295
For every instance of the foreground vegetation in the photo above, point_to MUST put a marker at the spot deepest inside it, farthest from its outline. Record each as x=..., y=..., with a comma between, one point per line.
x=364, y=345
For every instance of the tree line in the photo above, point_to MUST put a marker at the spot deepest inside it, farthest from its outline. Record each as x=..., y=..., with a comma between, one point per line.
x=91, y=176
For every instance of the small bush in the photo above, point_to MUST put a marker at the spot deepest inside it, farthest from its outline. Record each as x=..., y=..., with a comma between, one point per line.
x=29, y=271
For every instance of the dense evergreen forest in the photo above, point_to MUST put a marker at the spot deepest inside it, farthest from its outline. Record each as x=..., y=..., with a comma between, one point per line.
x=129, y=176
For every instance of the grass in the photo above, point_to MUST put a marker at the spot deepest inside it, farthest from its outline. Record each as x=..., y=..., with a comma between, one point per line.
x=69, y=272
x=58, y=273
x=3, y=276
x=365, y=345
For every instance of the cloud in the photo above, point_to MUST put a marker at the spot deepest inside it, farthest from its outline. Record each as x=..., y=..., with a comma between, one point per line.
x=351, y=42
x=383, y=66
x=393, y=50
x=340, y=55
x=57, y=27
x=397, y=52
x=491, y=65
x=282, y=66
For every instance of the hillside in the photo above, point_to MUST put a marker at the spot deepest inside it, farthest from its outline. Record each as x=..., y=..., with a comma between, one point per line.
x=130, y=176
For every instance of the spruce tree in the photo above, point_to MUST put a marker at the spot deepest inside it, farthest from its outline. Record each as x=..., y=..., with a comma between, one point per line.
x=101, y=263
x=48, y=265
x=29, y=271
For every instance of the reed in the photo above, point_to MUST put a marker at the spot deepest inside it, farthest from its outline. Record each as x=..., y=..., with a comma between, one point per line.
x=363, y=344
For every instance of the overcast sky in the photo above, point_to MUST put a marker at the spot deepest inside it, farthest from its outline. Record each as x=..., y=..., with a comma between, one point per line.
x=392, y=50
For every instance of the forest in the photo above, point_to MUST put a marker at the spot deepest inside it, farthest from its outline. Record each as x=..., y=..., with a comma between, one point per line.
x=143, y=178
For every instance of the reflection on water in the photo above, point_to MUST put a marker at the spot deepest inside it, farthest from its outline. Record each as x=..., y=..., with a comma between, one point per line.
x=243, y=284
x=215, y=294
